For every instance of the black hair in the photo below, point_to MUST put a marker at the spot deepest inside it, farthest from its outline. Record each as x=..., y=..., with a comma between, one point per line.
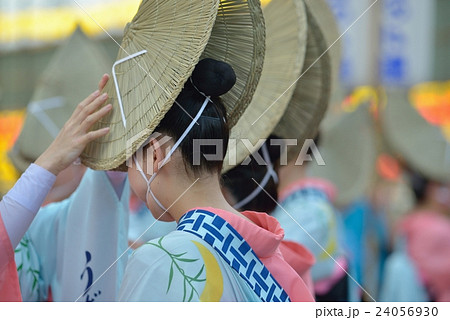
x=210, y=78
x=239, y=181
x=419, y=184
x=316, y=140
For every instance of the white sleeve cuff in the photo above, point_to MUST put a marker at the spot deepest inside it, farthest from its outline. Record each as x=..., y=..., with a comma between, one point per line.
x=20, y=205
x=32, y=187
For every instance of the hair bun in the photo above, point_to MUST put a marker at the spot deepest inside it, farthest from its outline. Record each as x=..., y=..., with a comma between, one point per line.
x=213, y=78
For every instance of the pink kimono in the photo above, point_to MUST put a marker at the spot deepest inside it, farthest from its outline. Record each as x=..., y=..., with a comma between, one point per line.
x=9, y=282
x=428, y=242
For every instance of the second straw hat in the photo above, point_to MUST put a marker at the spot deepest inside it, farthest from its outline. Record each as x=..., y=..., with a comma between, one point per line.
x=312, y=91
x=286, y=29
x=424, y=146
x=348, y=148
x=329, y=26
x=160, y=48
x=72, y=74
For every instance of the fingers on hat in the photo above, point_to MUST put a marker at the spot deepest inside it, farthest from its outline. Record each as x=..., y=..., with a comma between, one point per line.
x=96, y=116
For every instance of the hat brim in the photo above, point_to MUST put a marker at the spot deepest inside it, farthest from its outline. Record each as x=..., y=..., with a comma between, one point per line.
x=286, y=37
x=328, y=25
x=311, y=96
x=348, y=148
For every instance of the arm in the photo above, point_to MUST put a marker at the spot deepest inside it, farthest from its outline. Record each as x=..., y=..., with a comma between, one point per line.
x=21, y=204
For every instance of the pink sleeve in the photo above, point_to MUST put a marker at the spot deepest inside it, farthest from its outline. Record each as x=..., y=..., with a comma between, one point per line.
x=315, y=183
x=9, y=281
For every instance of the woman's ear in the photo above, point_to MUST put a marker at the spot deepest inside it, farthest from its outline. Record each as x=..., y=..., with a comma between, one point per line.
x=155, y=156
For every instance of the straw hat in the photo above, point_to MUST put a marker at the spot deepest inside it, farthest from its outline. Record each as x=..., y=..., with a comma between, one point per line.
x=330, y=30
x=286, y=29
x=312, y=92
x=349, y=151
x=20, y=162
x=420, y=143
x=72, y=74
x=176, y=35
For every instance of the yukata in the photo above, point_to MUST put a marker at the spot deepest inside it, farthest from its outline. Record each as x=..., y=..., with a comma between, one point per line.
x=143, y=227
x=366, y=241
x=215, y=255
x=401, y=280
x=17, y=210
x=422, y=260
x=312, y=221
x=77, y=249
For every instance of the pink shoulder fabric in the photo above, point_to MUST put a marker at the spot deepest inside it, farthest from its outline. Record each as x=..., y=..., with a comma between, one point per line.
x=428, y=242
x=9, y=281
x=300, y=259
x=265, y=236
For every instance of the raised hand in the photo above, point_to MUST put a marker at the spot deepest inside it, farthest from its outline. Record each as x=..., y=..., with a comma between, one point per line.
x=76, y=134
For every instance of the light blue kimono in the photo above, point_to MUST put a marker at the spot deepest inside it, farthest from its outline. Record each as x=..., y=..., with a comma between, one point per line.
x=401, y=279
x=144, y=227
x=77, y=247
x=366, y=242
x=312, y=221
x=180, y=267
x=205, y=259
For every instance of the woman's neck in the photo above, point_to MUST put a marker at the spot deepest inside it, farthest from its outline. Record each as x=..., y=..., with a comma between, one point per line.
x=199, y=193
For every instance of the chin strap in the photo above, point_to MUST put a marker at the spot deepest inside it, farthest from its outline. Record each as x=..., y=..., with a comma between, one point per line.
x=167, y=157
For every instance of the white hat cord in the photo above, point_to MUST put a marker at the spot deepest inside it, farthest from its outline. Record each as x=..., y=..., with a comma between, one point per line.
x=169, y=154
x=269, y=174
x=175, y=146
x=116, y=84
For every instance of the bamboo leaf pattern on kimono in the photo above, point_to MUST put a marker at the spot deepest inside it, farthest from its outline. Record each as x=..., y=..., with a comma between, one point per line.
x=170, y=277
x=26, y=265
x=176, y=259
